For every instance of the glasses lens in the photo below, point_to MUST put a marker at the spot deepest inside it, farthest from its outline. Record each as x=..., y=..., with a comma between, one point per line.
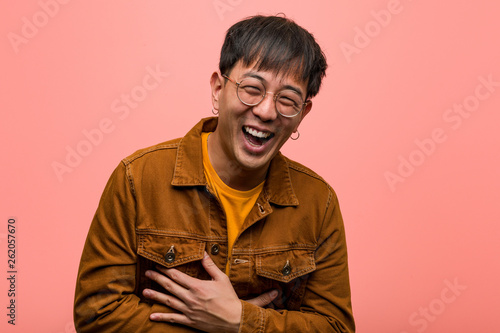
x=289, y=103
x=251, y=91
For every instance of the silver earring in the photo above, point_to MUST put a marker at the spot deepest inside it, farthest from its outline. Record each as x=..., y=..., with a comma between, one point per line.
x=297, y=137
x=215, y=112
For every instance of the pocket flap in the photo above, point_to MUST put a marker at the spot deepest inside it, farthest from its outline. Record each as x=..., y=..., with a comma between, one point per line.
x=170, y=251
x=286, y=265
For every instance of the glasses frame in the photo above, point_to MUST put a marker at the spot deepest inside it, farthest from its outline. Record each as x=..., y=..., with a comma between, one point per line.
x=264, y=96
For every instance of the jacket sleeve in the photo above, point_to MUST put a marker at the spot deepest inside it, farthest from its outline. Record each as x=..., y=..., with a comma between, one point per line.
x=326, y=305
x=105, y=297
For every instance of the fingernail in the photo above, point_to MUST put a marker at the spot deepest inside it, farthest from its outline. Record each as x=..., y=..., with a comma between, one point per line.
x=274, y=293
x=148, y=273
x=205, y=255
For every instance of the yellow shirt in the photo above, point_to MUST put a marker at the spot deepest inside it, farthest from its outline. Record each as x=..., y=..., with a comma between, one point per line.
x=236, y=204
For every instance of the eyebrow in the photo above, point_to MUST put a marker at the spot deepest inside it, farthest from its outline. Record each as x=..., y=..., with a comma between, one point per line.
x=260, y=78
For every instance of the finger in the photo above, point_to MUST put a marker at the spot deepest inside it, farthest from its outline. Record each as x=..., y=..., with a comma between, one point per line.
x=264, y=299
x=179, y=277
x=168, y=284
x=170, y=301
x=212, y=268
x=174, y=318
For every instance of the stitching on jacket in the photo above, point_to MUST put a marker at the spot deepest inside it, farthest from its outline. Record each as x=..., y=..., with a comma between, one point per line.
x=162, y=261
x=262, y=320
x=141, y=242
x=177, y=162
x=145, y=151
x=130, y=178
x=289, y=179
x=298, y=167
x=289, y=277
x=242, y=317
x=285, y=247
x=210, y=212
x=149, y=255
x=174, y=233
x=308, y=269
x=270, y=249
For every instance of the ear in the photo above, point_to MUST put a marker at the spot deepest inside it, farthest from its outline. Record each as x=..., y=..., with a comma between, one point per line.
x=306, y=110
x=216, y=83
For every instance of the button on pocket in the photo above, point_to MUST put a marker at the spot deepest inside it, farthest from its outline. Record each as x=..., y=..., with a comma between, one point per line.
x=285, y=266
x=215, y=249
x=170, y=256
x=169, y=251
x=287, y=269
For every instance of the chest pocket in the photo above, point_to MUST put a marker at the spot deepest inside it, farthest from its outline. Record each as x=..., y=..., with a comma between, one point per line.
x=286, y=271
x=181, y=253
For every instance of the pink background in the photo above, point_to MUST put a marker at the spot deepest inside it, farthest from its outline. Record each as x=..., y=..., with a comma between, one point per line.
x=386, y=109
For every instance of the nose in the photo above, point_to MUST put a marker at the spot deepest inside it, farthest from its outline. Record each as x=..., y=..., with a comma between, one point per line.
x=266, y=109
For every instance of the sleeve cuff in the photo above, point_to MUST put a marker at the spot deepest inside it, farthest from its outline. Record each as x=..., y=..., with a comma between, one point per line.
x=253, y=318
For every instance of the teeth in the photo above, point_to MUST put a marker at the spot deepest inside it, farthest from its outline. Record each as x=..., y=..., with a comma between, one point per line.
x=256, y=133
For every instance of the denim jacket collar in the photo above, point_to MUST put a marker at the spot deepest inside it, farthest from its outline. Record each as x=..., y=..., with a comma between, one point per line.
x=188, y=171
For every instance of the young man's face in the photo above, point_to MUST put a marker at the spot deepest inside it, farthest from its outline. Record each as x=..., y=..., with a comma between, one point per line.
x=251, y=136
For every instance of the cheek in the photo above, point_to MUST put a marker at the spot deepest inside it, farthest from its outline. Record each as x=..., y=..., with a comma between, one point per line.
x=290, y=126
x=231, y=109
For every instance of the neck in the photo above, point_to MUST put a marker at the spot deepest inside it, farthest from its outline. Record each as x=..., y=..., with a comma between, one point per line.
x=229, y=172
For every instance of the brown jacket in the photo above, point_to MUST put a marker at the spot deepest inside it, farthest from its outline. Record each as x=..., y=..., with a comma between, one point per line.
x=157, y=209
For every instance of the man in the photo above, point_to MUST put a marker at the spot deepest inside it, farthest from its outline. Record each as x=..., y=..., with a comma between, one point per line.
x=217, y=231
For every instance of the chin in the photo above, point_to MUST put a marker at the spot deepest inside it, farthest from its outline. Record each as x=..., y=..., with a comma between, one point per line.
x=253, y=163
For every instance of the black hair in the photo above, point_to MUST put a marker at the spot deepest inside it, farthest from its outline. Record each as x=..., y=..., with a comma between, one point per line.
x=276, y=44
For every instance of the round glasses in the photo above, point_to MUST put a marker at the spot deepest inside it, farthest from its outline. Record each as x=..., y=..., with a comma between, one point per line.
x=251, y=92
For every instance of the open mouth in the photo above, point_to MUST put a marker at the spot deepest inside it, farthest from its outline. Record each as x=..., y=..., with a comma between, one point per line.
x=255, y=137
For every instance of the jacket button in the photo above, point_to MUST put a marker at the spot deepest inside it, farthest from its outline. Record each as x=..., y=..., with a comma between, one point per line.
x=215, y=249
x=170, y=257
x=287, y=269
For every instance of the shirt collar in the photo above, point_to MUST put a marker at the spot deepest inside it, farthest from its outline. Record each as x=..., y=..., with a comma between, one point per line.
x=188, y=171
